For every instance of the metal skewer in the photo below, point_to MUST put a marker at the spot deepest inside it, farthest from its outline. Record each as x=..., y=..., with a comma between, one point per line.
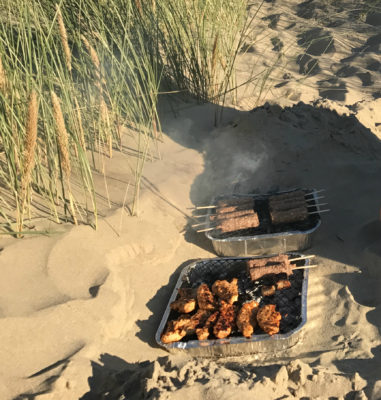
x=314, y=192
x=307, y=266
x=206, y=215
x=301, y=258
x=205, y=230
x=318, y=212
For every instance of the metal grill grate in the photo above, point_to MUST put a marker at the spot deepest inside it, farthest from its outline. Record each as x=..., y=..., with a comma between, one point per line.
x=288, y=301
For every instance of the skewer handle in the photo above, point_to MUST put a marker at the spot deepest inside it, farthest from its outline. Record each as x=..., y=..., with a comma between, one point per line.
x=315, y=198
x=315, y=191
x=317, y=205
x=204, y=207
x=307, y=266
x=301, y=258
x=318, y=212
x=205, y=230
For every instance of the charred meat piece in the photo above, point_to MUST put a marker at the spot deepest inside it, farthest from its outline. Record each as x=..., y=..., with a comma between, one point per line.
x=226, y=291
x=176, y=329
x=268, y=290
x=203, y=332
x=186, y=301
x=234, y=214
x=246, y=320
x=197, y=319
x=283, y=284
x=205, y=298
x=269, y=319
x=236, y=224
x=225, y=321
x=287, y=216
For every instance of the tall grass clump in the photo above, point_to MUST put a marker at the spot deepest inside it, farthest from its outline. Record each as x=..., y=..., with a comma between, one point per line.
x=69, y=84
x=73, y=85
x=197, y=42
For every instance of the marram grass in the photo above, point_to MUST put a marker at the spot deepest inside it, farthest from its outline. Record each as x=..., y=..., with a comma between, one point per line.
x=72, y=83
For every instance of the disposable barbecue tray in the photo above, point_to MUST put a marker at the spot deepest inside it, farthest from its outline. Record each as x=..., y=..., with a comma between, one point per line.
x=291, y=303
x=266, y=238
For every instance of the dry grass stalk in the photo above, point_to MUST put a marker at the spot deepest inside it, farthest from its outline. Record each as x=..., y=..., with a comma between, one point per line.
x=79, y=118
x=63, y=145
x=29, y=155
x=3, y=79
x=30, y=140
x=63, y=35
x=92, y=52
x=62, y=135
x=105, y=120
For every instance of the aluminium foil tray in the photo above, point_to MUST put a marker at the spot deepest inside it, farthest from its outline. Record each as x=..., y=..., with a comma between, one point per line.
x=254, y=243
x=224, y=268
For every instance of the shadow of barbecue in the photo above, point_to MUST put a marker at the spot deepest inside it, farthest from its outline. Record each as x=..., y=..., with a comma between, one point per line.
x=157, y=306
x=298, y=146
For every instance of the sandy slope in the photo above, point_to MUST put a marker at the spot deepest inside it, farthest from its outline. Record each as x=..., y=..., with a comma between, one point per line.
x=79, y=309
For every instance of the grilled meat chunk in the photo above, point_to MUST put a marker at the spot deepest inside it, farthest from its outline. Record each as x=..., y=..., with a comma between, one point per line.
x=269, y=319
x=283, y=284
x=205, y=298
x=176, y=329
x=196, y=320
x=246, y=320
x=226, y=291
x=225, y=321
x=268, y=290
x=203, y=332
x=186, y=301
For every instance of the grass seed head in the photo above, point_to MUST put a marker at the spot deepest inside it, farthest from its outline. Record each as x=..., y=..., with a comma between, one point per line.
x=30, y=140
x=64, y=40
x=92, y=52
x=62, y=135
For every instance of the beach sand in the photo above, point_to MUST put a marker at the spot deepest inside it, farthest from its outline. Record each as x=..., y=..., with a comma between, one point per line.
x=79, y=308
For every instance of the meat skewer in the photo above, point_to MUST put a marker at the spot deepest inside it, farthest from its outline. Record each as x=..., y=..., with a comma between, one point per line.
x=248, y=196
x=290, y=215
x=236, y=224
x=217, y=218
x=281, y=268
x=238, y=213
